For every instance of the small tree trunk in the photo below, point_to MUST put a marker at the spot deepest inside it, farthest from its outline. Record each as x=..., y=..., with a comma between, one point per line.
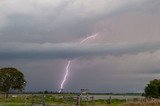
x=6, y=94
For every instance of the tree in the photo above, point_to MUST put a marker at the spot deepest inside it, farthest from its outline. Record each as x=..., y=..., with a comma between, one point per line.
x=11, y=79
x=152, y=90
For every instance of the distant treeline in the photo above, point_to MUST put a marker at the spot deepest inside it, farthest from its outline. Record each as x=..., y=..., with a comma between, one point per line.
x=76, y=93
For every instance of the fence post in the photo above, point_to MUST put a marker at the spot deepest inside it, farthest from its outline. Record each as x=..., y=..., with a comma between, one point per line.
x=109, y=102
x=32, y=99
x=93, y=99
x=78, y=100
x=43, y=100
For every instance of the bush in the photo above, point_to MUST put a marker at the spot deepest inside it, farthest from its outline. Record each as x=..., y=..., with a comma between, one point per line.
x=152, y=90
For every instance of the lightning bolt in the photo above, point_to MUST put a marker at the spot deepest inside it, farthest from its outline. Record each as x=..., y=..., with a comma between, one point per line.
x=90, y=37
x=65, y=76
x=69, y=62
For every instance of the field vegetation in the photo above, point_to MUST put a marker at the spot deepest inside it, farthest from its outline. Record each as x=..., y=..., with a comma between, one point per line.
x=54, y=100
x=59, y=100
x=151, y=102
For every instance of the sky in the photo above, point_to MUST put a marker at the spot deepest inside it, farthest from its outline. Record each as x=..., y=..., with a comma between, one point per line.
x=38, y=37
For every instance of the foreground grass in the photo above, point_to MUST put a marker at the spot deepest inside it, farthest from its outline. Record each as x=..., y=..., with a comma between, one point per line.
x=56, y=100
x=100, y=102
x=14, y=104
x=153, y=102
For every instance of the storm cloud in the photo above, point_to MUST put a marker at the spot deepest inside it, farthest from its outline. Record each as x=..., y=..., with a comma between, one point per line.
x=55, y=21
x=39, y=36
x=71, y=50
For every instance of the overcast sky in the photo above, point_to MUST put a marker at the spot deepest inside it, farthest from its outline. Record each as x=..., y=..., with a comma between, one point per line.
x=38, y=37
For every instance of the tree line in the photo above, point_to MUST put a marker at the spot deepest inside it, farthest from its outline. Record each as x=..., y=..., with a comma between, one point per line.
x=13, y=79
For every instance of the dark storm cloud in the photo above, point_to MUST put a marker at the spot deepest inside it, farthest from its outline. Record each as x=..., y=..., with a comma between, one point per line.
x=35, y=22
x=55, y=21
x=71, y=50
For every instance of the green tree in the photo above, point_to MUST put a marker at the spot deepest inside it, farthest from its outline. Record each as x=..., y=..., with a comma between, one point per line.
x=152, y=89
x=11, y=79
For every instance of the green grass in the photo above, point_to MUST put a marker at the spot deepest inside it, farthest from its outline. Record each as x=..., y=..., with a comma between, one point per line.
x=24, y=100
x=14, y=104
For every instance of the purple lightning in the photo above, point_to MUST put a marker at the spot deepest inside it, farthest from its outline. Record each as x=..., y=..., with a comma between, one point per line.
x=69, y=62
x=90, y=37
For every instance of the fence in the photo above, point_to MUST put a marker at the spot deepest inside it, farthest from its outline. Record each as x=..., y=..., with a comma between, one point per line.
x=64, y=99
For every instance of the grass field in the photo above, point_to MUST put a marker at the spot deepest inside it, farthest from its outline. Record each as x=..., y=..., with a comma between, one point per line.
x=153, y=102
x=148, y=103
x=69, y=100
x=14, y=104
x=55, y=99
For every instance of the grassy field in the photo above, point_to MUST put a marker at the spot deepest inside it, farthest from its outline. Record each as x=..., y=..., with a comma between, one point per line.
x=70, y=100
x=153, y=102
x=138, y=103
x=56, y=100
x=14, y=104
